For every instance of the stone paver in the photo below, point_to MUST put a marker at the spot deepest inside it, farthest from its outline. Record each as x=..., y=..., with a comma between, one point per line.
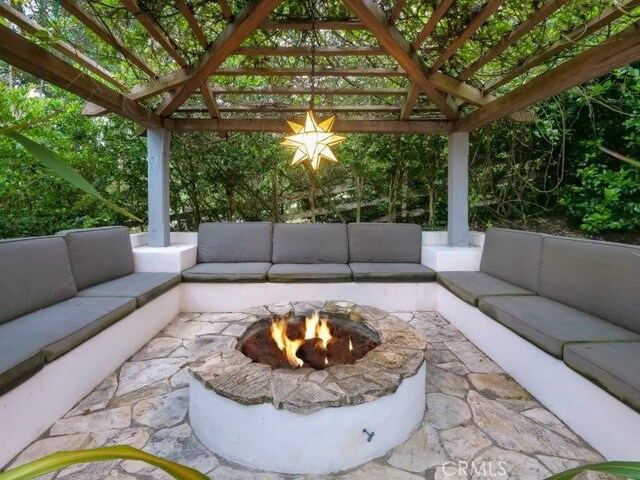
x=475, y=414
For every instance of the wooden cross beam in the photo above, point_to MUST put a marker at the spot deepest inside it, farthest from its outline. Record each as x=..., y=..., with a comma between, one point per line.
x=308, y=25
x=605, y=18
x=308, y=91
x=268, y=108
x=435, y=17
x=410, y=102
x=474, y=25
x=434, y=127
x=193, y=23
x=210, y=101
x=20, y=20
x=309, y=51
x=96, y=27
x=397, y=10
x=153, y=30
x=374, y=18
x=25, y=55
x=516, y=34
x=247, y=20
x=619, y=50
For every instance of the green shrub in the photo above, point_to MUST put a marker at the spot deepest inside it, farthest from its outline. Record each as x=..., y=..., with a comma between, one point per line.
x=604, y=200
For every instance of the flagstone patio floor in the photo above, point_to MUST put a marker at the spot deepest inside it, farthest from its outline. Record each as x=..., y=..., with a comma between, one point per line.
x=475, y=414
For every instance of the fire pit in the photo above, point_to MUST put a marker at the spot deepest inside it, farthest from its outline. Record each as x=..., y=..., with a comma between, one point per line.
x=320, y=340
x=310, y=388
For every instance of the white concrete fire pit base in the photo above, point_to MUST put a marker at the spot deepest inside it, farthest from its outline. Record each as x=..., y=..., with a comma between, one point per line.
x=329, y=440
x=307, y=421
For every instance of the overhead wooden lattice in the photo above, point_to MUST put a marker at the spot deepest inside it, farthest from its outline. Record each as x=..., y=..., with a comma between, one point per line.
x=402, y=66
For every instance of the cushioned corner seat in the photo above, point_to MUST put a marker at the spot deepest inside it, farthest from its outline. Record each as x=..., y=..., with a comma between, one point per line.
x=28, y=342
x=391, y=272
x=472, y=286
x=613, y=366
x=510, y=265
x=599, y=278
x=387, y=252
x=227, y=272
x=232, y=252
x=99, y=254
x=310, y=272
x=551, y=325
x=144, y=287
x=102, y=264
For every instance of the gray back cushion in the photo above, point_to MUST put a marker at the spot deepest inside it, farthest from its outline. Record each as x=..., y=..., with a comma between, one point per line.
x=599, y=278
x=513, y=256
x=99, y=254
x=385, y=243
x=34, y=273
x=310, y=243
x=234, y=242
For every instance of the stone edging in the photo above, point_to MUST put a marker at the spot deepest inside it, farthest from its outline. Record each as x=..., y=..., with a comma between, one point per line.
x=380, y=372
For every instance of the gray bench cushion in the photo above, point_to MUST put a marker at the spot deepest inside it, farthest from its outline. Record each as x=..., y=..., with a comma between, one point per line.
x=550, y=325
x=472, y=286
x=227, y=272
x=613, y=366
x=46, y=334
x=319, y=272
x=310, y=243
x=234, y=242
x=391, y=272
x=34, y=273
x=597, y=277
x=99, y=254
x=513, y=256
x=385, y=243
x=143, y=287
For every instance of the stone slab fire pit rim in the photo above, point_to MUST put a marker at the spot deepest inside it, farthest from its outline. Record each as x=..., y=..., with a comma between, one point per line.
x=231, y=374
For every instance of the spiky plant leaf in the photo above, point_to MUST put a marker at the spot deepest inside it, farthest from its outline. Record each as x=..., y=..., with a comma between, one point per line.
x=630, y=470
x=60, y=460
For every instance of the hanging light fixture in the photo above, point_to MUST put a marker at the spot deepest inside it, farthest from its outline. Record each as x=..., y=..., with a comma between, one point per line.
x=313, y=141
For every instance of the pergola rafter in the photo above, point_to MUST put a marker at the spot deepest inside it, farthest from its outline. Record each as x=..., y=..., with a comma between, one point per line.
x=368, y=75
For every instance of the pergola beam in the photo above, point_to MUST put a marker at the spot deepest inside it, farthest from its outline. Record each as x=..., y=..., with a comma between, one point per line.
x=210, y=101
x=410, y=102
x=308, y=25
x=472, y=28
x=23, y=22
x=193, y=23
x=310, y=51
x=396, y=11
x=25, y=55
x=153, y=30
x=605, y=18
x=435, y=127
x=516, y=34
x=267, y=108
x=619, y=50
x=435, y=17
x=249, y=18
x=374, y=18
x=307, y=72
x=355, y=91
x=226, y=10
x=93, y=24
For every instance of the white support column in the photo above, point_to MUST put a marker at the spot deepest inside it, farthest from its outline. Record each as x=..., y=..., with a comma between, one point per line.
x=158, y=143
x=458, y=185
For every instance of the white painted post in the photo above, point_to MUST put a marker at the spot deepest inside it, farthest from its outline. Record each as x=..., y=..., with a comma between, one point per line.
x=458, y=185
x=158, y=143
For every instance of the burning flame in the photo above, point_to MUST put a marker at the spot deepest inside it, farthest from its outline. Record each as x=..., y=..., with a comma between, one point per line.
x=284, y=343
x=350, y=345
x=314, y=327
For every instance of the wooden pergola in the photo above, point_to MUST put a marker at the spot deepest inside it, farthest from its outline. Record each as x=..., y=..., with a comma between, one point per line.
x=412, y=50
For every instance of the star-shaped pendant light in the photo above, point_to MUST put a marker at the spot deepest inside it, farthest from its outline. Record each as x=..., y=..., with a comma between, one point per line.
x=312, y=141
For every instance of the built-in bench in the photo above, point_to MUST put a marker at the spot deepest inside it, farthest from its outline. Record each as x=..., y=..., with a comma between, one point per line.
x=309, y=253
x=56, y=292
x=560, y=292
